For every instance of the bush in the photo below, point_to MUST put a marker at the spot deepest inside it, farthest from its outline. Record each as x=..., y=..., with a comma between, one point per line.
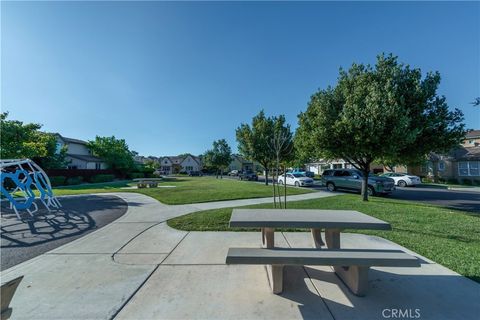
x=452, y=181
x=74, y=180
x=427, y=180
x=467, y=182
x=476, y=182
x=136, y=175
x=57, y=181
x=102, y=178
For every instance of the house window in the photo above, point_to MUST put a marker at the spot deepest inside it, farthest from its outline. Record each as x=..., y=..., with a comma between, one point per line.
x=473, y=166
x=469, y=168
x=98, y=165
x=441, y=166
x=188, y=168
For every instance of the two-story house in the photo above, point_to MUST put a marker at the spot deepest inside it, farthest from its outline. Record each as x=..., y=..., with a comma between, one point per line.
x=175, y=164
x=78, y=155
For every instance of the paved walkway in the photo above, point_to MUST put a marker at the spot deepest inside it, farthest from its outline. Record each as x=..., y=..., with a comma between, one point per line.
x=139, y=268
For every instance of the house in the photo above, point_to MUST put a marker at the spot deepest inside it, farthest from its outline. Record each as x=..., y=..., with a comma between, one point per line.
x=78, y=155
x=321, y=165
x=460, y=164
x=472, y=139
x=179, y=164
x=241, y=164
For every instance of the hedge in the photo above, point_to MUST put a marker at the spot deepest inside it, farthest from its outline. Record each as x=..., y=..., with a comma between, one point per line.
x=102, y=178
x=74, y=180
x=136, y=175
x=57, y=181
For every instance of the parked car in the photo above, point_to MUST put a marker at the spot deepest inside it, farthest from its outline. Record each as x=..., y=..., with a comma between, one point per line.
x=351, y=179
x=233, y=173
x=195, y=174
x=248, y=175
x=309, y=174
x=296, y=179
x=403, y=179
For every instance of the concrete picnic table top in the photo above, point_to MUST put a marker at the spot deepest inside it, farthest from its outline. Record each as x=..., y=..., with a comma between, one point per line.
x=305, y=218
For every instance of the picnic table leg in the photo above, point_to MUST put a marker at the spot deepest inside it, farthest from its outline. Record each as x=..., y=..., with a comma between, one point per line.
x=317, y=238
x=268, y=237
x=332, y=237
x=275, y=277
x=355, y=278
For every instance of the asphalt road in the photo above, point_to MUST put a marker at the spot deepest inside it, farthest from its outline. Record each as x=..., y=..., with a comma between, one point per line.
x=80, y=215
x=461, y=200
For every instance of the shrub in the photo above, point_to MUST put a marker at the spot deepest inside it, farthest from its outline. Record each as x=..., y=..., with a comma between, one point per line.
x=102, y=178
x=467, y=182
x=136, y=175
x=452, y=181
x=57, y=181
x=74, y=180
x=476, y=182
x=427, y=180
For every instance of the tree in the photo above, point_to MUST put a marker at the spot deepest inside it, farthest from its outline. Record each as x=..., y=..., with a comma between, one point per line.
x=114, y=152
x=281, y=144
x=476, y=102
x=386, y=113
x=19, y=140
x=254, y=141
x=219, y=157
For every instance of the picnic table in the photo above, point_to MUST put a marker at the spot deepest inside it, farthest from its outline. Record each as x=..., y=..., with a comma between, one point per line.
x=333, y=221
x=150, y=182
x=351, y=265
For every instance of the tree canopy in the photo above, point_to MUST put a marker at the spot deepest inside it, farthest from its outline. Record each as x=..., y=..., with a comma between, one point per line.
x=386, y=113
x=260, y=141
x=114, y=152
x=25, y=140
x=219, y=157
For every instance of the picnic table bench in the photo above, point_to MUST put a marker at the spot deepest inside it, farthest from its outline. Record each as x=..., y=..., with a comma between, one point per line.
x=150, y=182
x=351, y=265
x=7, y=291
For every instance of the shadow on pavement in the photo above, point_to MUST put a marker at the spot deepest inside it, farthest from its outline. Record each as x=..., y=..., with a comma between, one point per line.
x=22, y=240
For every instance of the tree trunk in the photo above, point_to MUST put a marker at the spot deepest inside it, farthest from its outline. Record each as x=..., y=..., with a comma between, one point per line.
x=285, y=185
x=266, y=176
x=365, y=172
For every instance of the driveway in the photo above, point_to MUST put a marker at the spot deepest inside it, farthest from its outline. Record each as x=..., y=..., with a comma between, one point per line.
x=79, y=215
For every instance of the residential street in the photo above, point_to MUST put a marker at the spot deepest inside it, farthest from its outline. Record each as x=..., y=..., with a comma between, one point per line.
x=455, y=199
x=462, y=200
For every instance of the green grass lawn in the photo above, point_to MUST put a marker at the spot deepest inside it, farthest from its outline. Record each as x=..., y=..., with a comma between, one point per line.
x=185, y=189
x=448, y=237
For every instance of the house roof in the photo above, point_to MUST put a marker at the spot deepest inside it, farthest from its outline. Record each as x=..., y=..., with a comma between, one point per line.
x=85, y=157
x=467, y=154
x=179, y=160
x=241, y=159
x=473, y=134
x=71, y=140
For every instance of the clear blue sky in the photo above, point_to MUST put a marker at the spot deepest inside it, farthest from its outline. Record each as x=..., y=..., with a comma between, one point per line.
x=172, y=77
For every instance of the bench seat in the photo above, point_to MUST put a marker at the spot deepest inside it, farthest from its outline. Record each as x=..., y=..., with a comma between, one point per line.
x=351, y=265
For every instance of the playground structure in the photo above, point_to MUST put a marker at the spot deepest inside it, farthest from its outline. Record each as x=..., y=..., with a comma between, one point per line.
x=17, y=178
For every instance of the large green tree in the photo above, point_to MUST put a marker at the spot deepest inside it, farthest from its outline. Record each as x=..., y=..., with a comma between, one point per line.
x=114, y=152
x=254, y=141
x=25, y=140
x=219, y=157
x=387, y=113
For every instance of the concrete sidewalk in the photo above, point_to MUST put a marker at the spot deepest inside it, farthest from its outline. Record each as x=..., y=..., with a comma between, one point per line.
x=139, y=268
